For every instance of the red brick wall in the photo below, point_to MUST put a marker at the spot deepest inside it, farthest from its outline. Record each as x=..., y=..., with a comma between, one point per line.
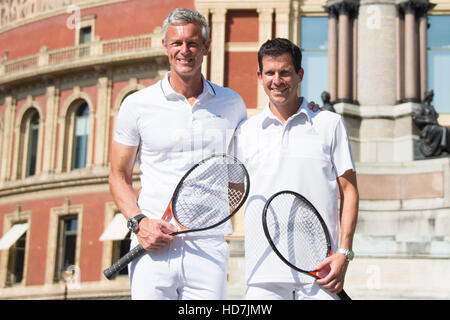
x=242, y=26
x=92, y=228
x=122, y=19
x=241, y=67
x=240, y=75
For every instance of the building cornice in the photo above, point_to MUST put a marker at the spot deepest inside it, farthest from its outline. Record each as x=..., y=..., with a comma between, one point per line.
x=58, y=184
x=97, y=55
x=17, y=13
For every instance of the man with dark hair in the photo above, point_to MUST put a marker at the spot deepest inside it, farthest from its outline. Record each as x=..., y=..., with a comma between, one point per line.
x=277, y=47
x=289, y=147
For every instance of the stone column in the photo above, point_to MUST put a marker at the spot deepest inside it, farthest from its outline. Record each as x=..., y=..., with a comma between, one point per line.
x=294, y=30
x=411, y=55
x=264, y=24
x=102, y=121
x=265, y=33
x=51, y=123
x=423, y=26
x=8, y=131
x=344, y=55
x=355, y=60
x=332, y=52
x=415, y=47
x=400, y=29
x=218, y=45
x=282, y=22
x=341, y=51
x=376, y=53
x=205, y=13
x=423, y=21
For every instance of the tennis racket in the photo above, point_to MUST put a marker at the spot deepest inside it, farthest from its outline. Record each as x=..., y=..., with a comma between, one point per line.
x=209, y=194
x=297, y=233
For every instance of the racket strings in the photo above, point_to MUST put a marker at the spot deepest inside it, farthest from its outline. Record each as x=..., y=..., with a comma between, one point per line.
x=234, y=197
x=210, y=193
x=296, y=231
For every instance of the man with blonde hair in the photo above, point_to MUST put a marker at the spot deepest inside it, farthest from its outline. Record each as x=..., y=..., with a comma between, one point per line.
x=174, y=124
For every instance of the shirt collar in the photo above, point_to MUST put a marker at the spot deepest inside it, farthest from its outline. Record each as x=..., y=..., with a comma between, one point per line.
x=269, y=117
x=171, y=94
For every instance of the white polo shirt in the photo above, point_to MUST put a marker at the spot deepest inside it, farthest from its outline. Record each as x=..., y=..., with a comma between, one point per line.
x=305, y=154
x=173, y=136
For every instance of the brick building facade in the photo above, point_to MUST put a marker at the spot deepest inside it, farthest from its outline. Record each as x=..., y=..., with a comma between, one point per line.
x=68, y=65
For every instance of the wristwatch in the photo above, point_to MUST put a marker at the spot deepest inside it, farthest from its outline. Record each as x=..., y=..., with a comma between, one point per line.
x=348, y=253
x=133, y=223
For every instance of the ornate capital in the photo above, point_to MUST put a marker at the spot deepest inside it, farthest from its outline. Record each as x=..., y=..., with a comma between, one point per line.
x=335, y=8
x=417, y=7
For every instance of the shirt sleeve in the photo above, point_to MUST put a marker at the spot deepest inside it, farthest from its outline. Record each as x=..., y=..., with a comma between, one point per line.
x=241, y=116
x=126, y=130
x=341, y=151
x=232, y=148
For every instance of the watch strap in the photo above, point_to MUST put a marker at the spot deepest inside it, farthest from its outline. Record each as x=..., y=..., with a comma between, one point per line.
x=139, y=217
x=132, y=223
x=347, y=252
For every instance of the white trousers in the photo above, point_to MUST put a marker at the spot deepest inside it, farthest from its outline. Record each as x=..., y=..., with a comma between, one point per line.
x=288, y=291
x=193, y=268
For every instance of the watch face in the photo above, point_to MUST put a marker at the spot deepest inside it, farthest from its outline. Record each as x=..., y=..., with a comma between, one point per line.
x=131, y=224
x=350, y=255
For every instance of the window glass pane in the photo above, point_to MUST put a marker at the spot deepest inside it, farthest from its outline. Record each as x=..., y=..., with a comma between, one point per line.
x=81, y=125
x=439, y=61
x=68, y=244
x=80, y=137
x=315, y=79
x=16, y=261
x=69, y=251
x=85, y=35
x=314, y=44
x=124, y=247
x=32, y=145
x=439, y=79
x=314, y=34
x=71, y=225
x=439, y=32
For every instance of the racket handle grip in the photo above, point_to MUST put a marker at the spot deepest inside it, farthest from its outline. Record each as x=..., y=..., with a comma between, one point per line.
x=343, y=295
x=123, y=262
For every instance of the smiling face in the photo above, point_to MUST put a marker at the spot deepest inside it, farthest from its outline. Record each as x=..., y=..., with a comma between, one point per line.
x=185, y=48
x=280, y=80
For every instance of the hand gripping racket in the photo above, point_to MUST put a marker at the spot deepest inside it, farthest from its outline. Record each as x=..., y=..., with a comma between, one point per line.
x=297, y=233
x=209, y=194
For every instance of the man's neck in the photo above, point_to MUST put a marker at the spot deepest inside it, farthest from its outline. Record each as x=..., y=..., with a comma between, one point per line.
x=284, y=111
x=189, y=86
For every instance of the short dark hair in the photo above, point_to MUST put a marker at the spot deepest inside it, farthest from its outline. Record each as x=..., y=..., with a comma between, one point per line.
x=278, y=46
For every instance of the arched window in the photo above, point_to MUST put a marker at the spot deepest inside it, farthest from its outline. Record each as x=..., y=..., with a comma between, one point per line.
x=80, y=137
x=28, y=144
x=33, y=134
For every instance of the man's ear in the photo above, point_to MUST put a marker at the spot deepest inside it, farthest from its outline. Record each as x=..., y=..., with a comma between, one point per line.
x=301, y=73
x=260, y=78
x=207, y=46
x=259, y=75
x=164, y=46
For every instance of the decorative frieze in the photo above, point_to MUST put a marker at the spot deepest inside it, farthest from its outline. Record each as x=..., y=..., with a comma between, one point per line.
x=16, y=12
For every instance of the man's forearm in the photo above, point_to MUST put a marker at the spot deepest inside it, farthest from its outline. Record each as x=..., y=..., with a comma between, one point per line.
x=124, y=195
x=349, y=208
